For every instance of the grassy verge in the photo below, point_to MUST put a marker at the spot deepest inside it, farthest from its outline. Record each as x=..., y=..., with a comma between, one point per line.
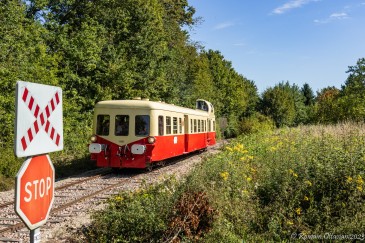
x=262, y=187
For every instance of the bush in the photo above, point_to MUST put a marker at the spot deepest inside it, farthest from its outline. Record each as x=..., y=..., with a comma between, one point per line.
x=155, y=213
x=256, y=123
x=9, y=167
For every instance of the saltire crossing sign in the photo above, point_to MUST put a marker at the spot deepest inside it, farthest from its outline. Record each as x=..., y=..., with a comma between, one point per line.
x=38, y=125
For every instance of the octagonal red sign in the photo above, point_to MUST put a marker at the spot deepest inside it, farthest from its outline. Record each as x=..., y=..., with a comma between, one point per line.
x=34, y=191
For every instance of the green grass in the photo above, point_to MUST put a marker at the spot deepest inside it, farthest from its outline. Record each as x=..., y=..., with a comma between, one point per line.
x=262, y=187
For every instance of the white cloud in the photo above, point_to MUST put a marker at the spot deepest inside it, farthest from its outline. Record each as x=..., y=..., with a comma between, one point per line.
x=339, y=16
x=223, y=25
x=291, y=5
x=333, y=17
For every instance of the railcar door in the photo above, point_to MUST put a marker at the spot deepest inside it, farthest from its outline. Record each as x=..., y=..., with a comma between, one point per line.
x=209, y=132
x=186, y=132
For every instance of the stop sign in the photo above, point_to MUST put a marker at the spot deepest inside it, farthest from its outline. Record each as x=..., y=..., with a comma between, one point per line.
x=34, y=191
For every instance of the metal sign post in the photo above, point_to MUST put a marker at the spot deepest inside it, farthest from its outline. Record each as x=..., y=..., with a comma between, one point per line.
x=35, y=235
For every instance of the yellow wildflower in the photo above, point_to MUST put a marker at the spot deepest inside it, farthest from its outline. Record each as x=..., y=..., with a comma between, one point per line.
x=224, y=175
x=229, y=149
x=248, y=179
x=359, y=188
x=308, y=183
x=298, y=211
x=289, y=222
x=306, y=198
x=293, y=173
x=349, y=179
x=272, y=149
x=239, y=147
x=359, y=180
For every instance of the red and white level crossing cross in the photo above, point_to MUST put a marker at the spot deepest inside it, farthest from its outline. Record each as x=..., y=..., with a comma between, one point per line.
x=41, y=118
x=38, y=119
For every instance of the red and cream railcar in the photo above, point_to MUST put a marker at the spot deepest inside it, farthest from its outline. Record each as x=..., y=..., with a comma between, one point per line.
x=139, y=133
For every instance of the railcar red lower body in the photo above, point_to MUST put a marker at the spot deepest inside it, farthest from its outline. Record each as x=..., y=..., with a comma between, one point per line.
x=164, y=147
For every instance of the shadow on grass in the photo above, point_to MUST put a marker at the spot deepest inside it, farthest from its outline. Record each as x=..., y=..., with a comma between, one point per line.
x=73, y=167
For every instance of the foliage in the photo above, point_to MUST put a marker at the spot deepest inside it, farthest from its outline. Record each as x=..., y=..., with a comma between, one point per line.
x=308, y=94
x=154, y=213
x=305, y=181
x=352, y=100
x=256, y=123
x=327, y=109
x=285, y=104
x=278, y=103
x=267, y=186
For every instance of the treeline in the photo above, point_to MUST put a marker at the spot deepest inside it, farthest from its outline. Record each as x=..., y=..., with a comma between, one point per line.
x=110, y=49
x=289, y=105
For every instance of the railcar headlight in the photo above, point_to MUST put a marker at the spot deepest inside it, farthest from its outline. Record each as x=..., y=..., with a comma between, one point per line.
x=151, y=140
x=93, y=138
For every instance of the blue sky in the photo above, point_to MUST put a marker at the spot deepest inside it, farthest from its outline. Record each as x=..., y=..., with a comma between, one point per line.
x=300, y=41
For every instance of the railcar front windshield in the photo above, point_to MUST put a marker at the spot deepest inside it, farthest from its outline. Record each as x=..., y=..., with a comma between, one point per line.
x=102, y=125
x=142, y=125
x=121, y=125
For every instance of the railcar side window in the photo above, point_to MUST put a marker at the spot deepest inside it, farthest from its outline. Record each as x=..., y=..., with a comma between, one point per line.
x=191, y=125
x=142, y=125
x=174, y=122
x=121, y=125
x=180, y=125
x=199, y=126
x=102, y=125
x=195, y=128
x=168, y=125
x=209, y=126
x=160, y=125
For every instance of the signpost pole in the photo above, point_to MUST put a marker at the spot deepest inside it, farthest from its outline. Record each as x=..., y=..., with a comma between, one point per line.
x=35, y=235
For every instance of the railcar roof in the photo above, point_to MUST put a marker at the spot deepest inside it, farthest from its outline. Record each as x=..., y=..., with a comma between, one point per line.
x=146, y=104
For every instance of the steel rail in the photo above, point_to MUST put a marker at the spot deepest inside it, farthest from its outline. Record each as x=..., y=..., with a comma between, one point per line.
x=66, y=205
x=66, y=186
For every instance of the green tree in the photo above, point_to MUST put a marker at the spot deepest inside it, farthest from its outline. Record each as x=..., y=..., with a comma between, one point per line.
x=278, y=103
x=327, y=109
x=301, y=111
x=308, y=94
x=352, y=100
x=23, y=56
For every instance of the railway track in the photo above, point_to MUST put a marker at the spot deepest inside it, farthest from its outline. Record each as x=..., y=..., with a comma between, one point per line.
x=13, y=223
x=77, y=197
